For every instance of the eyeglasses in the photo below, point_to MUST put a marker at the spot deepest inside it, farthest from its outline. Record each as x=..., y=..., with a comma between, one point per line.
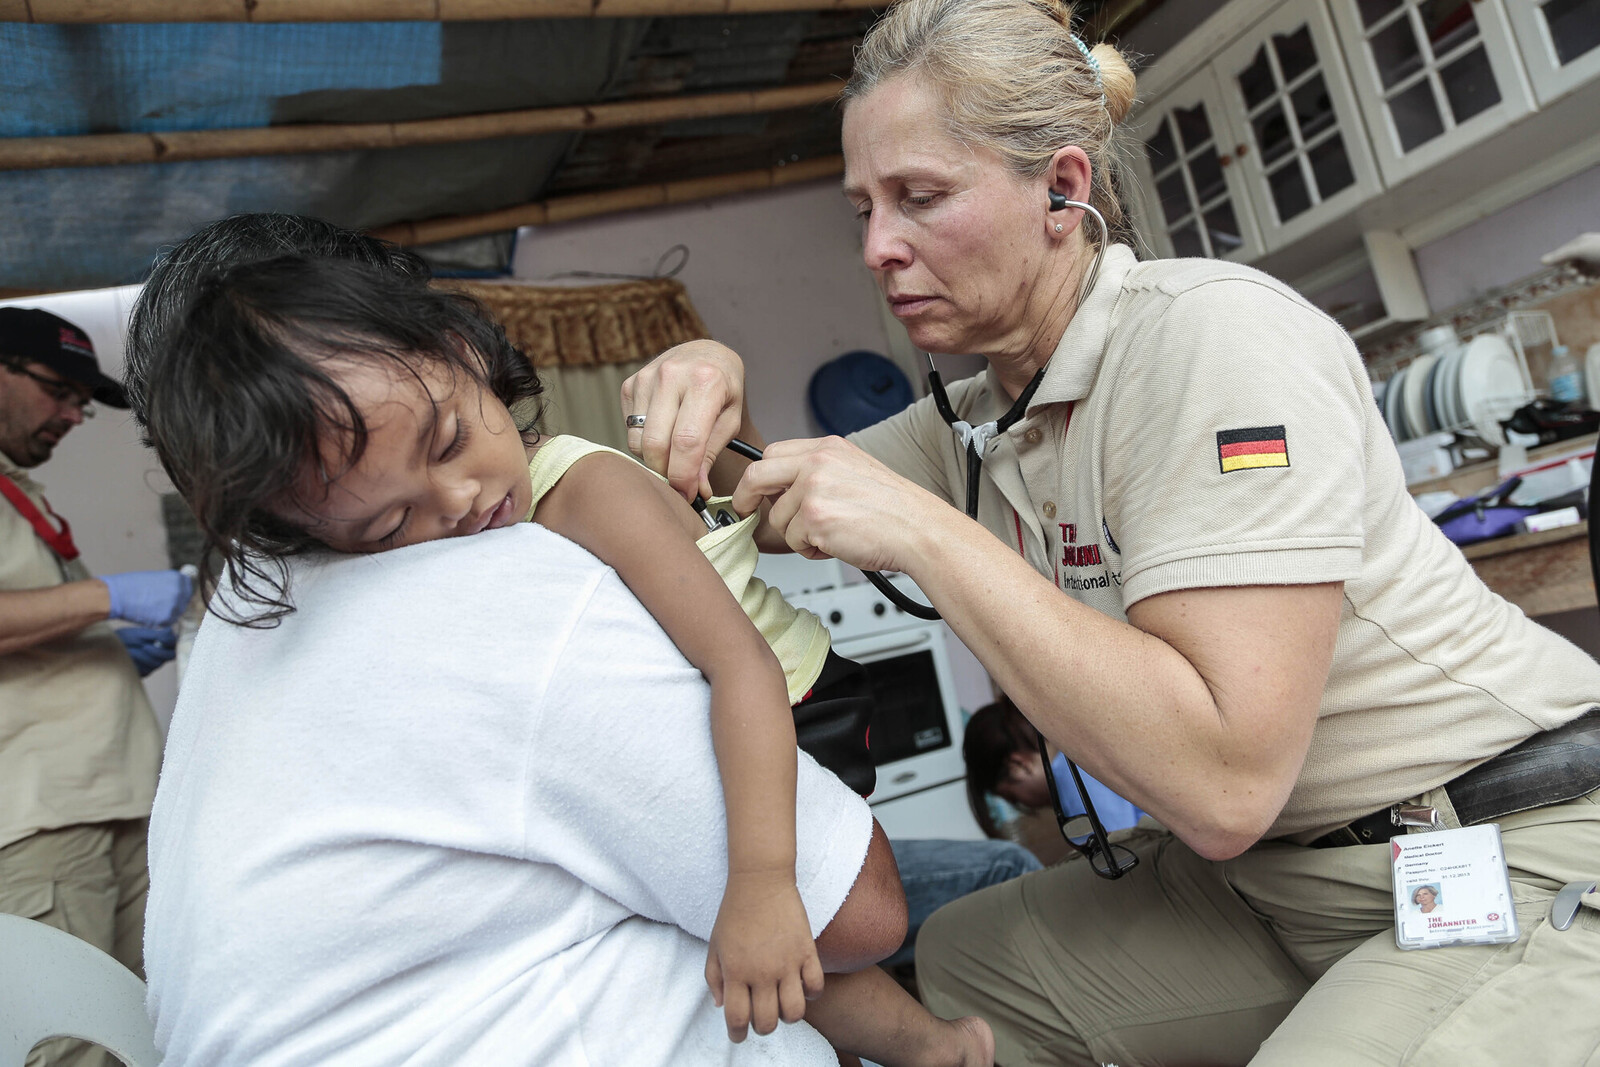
x=1105, y=859
x=59, y=391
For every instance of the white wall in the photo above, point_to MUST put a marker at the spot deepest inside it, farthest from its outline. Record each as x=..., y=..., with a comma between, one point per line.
x=777, y=276
x=1506, y=246
x=101, y=478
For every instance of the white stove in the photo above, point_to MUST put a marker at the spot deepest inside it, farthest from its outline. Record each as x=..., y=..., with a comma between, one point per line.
x=917, y=727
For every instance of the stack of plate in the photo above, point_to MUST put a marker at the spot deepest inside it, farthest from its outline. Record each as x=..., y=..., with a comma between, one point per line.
x=1463, y=387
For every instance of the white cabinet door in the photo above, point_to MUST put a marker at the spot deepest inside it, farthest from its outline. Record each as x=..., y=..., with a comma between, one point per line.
x=1195, y=201
x=1433, y=76
x=1559, y=41
x=1303, y=153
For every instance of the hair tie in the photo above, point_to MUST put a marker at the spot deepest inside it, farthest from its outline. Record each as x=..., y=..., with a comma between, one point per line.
x=1094, y=64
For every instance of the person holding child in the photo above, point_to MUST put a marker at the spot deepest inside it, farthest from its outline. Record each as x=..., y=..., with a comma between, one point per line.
x=329, y=401
x=1189, y=557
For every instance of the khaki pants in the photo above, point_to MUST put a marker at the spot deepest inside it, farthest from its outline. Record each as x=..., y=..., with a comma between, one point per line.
x=1282, y=957
x=90, y=881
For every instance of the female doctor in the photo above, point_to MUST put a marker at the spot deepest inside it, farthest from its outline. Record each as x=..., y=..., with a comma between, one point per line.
x=1192, y=564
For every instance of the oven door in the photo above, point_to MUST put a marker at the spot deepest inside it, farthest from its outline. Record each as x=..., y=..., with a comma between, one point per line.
x=916, y=726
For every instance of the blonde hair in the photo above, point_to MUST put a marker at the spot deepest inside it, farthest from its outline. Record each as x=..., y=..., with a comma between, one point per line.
x=1012, y=79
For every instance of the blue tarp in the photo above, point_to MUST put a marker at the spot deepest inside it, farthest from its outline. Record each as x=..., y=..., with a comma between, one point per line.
x=71, y=228
x=57, y=80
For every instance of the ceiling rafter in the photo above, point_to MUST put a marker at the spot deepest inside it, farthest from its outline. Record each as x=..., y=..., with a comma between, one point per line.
x=609, y=202
x=111, y=149
x=99, y=11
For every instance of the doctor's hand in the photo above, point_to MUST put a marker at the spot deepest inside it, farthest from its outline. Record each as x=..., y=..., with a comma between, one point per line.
x=829, y=498
x=762, y=965
x=148, y=598
x=692, y=398
x=148, y=646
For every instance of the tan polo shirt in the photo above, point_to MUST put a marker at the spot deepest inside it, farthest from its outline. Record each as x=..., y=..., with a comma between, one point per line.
x=78, y=741
x=1201, y=425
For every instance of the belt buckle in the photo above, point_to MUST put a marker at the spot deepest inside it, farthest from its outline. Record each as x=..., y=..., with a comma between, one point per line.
x=1416, y=815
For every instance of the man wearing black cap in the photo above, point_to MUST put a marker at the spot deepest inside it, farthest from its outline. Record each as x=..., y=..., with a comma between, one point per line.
x=79, y=745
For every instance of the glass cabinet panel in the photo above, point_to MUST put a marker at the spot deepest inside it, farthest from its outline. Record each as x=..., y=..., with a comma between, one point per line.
x=1574, y=27
x=1188, y=164
x=1293, y=123
x=1559, y=41
x=1433, y=76
x=1287, y=133
x=1431, y=62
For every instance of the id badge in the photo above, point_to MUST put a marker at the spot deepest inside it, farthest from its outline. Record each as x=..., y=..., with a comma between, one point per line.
x=1451, y=888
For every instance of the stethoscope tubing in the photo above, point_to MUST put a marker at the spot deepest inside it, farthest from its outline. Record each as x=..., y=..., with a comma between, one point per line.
x=879, y=580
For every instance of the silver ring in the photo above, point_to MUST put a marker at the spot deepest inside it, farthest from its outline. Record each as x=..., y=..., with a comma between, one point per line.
x=634, y=422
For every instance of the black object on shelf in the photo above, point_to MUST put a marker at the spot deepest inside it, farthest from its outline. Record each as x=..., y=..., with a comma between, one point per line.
x=1552, y=420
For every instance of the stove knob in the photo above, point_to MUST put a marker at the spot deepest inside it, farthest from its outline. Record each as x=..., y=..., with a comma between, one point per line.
x=835, y=617
x=879, y=608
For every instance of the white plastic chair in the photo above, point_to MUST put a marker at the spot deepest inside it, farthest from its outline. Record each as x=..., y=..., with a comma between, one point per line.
x=54, y=985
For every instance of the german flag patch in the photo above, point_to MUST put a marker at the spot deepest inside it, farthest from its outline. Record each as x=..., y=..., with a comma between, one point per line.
x=1258, y=446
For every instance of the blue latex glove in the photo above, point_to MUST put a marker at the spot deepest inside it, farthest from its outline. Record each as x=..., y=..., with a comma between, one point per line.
x=148, y=646
x=148, y=598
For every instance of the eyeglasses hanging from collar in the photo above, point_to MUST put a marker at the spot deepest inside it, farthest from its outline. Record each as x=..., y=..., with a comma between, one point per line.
x=1105, y=859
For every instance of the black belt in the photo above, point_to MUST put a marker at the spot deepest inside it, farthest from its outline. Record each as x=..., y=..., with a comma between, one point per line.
x=1548, y=768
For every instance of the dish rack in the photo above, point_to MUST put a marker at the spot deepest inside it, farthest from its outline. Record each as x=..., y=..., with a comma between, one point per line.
x=1520, y=330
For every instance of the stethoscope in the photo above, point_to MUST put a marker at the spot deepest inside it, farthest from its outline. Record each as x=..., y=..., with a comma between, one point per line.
x=1105, y=859
x=974, y=440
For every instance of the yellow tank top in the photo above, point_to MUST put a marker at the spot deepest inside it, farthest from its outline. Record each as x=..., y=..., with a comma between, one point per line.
x=797, y=637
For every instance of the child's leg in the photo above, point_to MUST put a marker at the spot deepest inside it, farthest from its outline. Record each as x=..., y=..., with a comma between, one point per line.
x=869, y=1015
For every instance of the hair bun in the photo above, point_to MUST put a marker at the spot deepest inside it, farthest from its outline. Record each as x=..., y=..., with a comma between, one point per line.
x=1117, y=81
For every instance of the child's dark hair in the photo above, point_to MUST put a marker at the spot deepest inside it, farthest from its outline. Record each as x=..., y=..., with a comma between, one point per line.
x=232, y=242
x=994, y=733
x=238, y=399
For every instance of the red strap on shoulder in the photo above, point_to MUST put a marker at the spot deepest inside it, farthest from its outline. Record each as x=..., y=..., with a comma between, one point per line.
x=60, y=541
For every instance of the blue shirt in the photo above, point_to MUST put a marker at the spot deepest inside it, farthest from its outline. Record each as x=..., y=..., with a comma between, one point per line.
x=1115, y=813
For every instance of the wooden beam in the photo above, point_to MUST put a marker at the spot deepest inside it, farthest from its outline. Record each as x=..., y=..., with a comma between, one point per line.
x=110, y=149
x=609, y=202
x=96, y=11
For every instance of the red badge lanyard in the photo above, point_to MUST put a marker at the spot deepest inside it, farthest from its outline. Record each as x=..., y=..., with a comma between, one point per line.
x=60, y=541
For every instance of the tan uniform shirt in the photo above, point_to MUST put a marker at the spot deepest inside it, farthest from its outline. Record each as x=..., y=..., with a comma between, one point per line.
x=78, y=741
x=1201, y=425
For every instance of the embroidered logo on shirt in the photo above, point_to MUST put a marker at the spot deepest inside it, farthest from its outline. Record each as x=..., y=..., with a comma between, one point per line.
x=1074, y=554
x=1257, y=446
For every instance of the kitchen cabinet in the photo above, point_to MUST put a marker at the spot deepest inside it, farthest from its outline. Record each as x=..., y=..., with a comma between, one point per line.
x=1283, y=133
x=1303, y=154
x=1560, y=43
x=1433, y=77
x=1258, y=147
x=1195, y=200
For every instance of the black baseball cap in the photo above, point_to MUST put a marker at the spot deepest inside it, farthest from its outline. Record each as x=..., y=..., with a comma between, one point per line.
x=40, y=337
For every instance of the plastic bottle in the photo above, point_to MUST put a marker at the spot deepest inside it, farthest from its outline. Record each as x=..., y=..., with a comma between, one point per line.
x=1566, y=376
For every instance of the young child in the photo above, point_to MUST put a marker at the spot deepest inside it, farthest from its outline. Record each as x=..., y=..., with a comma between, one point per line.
x=318, y=401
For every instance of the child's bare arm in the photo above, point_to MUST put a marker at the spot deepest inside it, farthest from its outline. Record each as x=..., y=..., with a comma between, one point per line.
x=763, y=963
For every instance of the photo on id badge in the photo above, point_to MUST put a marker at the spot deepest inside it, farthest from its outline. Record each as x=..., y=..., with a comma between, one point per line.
x=1451, y=888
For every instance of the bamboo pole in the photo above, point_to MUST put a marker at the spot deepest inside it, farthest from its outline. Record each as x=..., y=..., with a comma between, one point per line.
x=97, y=11
x=109, y=149
x=608, y=202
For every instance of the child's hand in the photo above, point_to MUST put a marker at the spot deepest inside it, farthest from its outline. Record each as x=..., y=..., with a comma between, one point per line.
x=763, y=964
